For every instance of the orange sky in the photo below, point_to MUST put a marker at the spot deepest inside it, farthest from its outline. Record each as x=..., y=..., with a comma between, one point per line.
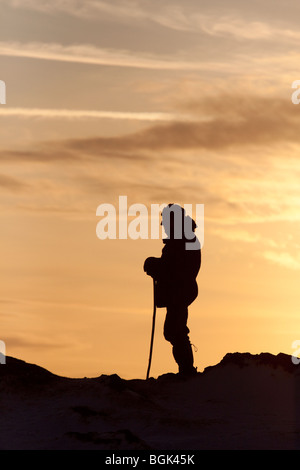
x=180, y=101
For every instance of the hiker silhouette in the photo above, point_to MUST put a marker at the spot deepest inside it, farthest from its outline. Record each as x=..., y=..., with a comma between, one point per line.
x=175, y=283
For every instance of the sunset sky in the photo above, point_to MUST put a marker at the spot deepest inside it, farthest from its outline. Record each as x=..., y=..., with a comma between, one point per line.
x=173, y=101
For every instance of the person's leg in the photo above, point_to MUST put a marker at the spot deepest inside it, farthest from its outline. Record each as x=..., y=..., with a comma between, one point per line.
x=183, y=355
x=176, y=332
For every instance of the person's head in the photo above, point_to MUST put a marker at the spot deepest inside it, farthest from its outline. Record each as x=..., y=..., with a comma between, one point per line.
x=176, y=223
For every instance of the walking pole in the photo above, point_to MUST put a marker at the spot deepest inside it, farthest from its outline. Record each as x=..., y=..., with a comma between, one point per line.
x=153, y=328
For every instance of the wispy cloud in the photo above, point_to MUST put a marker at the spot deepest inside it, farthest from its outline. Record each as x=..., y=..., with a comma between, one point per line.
x=242, y=163
x=284, y=259
x=222, y=122
x=89, y=54
x=256, y=65
x=11, y=184
x=184, y=17
x=90, y=114
x=236, y=234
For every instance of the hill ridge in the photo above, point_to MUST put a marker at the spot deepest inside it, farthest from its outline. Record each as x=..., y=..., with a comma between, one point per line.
x=242, y=359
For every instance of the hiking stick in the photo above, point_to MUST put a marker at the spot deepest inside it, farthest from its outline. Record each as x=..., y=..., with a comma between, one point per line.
x=153, y=329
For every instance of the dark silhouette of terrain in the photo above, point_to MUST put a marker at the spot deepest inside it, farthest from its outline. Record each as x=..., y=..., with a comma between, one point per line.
x=244, y=402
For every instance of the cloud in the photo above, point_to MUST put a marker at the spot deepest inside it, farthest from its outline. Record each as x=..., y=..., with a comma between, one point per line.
x=237, y=235
x=182, y=17
x=284, y=259
x=11, y=184
x=89, y=114
x=32, y=342
x=242, y=29
x=231, y=122
x=233, y=62
x=223, y=122
x=242, y=163
x=46, y=153
x=89, y=54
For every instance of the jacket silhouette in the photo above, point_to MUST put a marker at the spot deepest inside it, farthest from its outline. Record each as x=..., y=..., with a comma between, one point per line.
x=176, y=287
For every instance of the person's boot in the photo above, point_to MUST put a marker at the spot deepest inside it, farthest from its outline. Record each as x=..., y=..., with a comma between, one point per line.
x=186, y=373
x=183, y=355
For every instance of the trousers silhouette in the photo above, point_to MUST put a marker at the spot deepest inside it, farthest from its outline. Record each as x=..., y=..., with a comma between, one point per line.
x=176, y=332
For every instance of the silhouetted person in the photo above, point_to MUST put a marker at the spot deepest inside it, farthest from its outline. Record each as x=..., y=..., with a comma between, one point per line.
x=175, y=274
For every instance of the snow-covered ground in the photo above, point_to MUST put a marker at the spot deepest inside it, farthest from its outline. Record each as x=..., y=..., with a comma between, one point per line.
x=244, y=402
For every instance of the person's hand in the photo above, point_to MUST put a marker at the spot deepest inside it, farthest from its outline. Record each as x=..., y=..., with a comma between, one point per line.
x=149, y=266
